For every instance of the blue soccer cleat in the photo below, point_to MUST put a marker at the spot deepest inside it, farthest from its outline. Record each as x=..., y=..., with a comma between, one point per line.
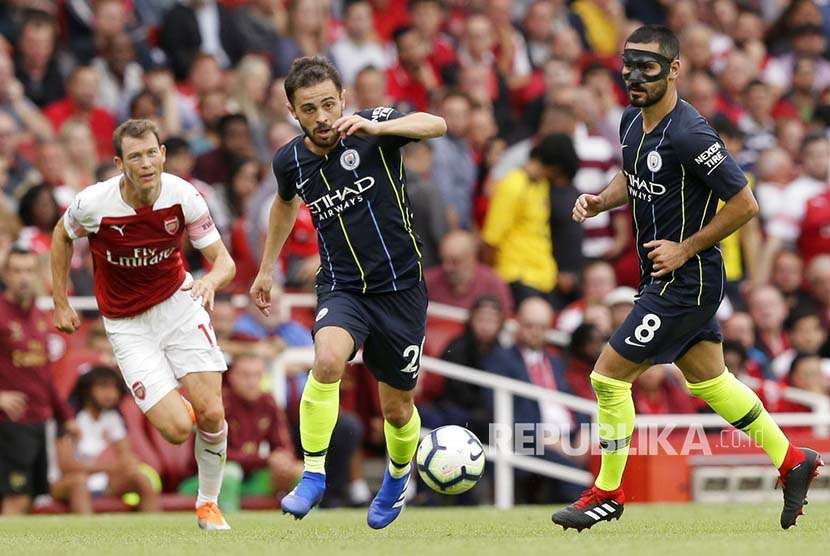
x=389, y=501
x=307, y=494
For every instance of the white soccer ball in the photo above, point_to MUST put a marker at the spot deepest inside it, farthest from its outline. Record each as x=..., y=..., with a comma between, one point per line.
x=450, y=460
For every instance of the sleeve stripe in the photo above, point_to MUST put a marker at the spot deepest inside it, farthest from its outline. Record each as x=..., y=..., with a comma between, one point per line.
x=201, y=227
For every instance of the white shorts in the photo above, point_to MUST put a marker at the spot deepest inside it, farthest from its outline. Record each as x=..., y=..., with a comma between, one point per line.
x=156, y=348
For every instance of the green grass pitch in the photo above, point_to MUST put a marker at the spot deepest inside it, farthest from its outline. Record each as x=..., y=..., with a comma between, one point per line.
x=697, y=529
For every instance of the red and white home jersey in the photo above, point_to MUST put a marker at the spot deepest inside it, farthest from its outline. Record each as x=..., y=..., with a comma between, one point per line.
x=136, y=253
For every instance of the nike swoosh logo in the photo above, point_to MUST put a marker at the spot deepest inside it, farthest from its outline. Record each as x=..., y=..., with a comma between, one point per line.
x=476, y=456
x=635, y=344
x=300, y=184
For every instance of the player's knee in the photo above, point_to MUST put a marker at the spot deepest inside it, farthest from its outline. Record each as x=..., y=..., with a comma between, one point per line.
x=177, y=431
x=211, y=417
x=328, y=366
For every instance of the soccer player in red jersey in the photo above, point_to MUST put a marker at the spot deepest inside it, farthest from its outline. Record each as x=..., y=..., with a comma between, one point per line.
x=153, y=311
x=28, y=398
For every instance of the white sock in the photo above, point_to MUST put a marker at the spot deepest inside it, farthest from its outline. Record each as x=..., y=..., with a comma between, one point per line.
x=210, y=449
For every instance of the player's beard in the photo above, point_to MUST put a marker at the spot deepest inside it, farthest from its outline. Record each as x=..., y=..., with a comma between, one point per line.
x=653, y=93
x=326, y=143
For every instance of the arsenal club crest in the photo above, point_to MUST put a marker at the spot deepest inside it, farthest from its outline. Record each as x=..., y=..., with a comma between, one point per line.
x=138, y=390
x=171, y=225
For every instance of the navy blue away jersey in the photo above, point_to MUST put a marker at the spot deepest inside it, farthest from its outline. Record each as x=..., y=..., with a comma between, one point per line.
x=676, y=174
x=357, y=198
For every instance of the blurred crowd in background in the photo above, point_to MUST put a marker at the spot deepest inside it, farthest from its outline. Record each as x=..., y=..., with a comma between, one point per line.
x=523, y=85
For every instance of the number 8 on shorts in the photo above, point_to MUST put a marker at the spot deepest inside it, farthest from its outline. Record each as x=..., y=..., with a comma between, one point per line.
x=645, y=332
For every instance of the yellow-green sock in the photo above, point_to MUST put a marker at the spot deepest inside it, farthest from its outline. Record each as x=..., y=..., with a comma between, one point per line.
x=615, y=417
x=319, y=406
x=737, y=403
x=401, y=443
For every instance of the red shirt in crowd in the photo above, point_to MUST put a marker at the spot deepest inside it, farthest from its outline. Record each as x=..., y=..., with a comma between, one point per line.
x=255, y=424
x=578, y=376
x=668, y=398
x=404, y=87
x=302, y=241
x=24, y=363
x=99, y=120
x=388, y=15
x=814, y=238
x=484, y=282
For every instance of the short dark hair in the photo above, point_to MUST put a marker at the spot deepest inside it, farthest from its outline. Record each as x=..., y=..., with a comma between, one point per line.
x=737, y=347
x=142, y=94
x=225, y=122
x=33, y=17
x=20, y=251
x=755, y=83
x=799, y=358
x=660, y=34
x=413, y=3
x=400, y=31
x=135, y=129
x=726, y=127
x=800, y=314
x=309, y=71
x=177, y=145
x=104, y=169
x=458, y=93
x=557, y=150
x=813, y=137
x=349, y=4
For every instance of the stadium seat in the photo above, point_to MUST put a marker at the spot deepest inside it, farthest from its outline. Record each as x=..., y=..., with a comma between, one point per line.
x=68, y=368
x=177, y=461
x=439, y=333
x=137, y=433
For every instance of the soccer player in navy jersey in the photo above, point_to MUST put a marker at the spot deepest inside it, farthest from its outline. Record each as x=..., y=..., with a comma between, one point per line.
x=348, y=170
x=675, y=169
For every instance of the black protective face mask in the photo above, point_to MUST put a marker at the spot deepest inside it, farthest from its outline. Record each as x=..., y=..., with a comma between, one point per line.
x=638, y=62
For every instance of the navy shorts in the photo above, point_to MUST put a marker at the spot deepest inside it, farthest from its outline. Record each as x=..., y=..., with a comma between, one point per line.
x=660, y=331
x=390, y=327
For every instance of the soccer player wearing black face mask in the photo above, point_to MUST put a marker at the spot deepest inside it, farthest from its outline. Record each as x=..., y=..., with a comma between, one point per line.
x=675, y=168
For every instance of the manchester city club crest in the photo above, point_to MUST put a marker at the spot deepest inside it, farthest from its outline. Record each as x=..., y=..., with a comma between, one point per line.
x=654, y=161
x=350, y=160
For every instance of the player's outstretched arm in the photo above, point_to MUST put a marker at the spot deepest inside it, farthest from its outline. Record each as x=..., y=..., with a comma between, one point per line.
x=222, y=271
x=737, y=211
x=280, y=221
x=613, y=196
x=418, y=125
x=65, y=318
